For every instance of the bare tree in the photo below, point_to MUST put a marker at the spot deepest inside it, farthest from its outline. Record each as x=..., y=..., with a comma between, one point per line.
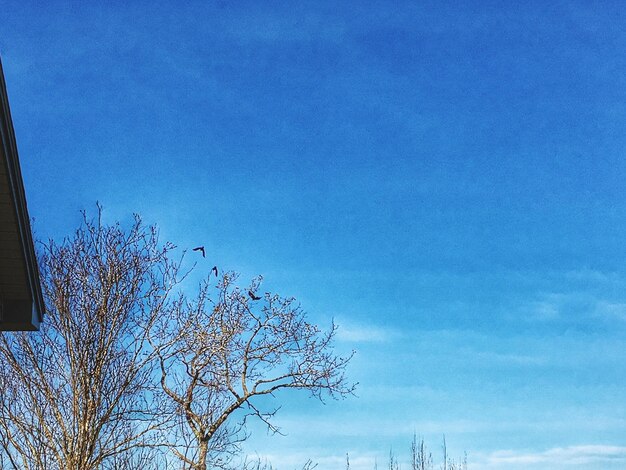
x=220, y=353
x=449, y=463
x=123, y=372
x=78, y=395
x=393, y=461
x=421, y=459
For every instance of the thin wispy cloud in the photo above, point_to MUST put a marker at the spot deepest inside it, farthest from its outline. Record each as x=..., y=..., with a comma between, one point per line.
x=611, y=310
x=591, y=456
x=545, y=310
x=357, y=333
x=600, y=304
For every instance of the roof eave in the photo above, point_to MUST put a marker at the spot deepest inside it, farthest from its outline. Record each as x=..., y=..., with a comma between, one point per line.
x=34, y=315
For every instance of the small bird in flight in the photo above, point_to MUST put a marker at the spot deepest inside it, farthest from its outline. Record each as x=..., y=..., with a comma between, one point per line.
x=252, y=296
x=200, y=248
x=214, y=270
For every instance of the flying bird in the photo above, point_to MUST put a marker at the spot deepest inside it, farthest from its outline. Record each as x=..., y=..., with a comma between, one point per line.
x=252, y=296
x=214, y=270
x=200, y=248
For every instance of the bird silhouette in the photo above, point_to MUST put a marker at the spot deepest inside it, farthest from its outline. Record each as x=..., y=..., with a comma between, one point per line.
x=214, y=270
x=200, y=248
x=252, y=296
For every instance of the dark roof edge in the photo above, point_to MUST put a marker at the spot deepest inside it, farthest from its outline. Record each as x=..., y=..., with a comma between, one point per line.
x=19, y=198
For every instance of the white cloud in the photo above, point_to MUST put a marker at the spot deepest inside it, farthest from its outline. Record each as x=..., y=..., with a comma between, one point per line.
x=545, y=310
x=595, y=277
x=513, y=359
x=611, y=310
x=354, y=333
x=575, y=307
x=558, y=457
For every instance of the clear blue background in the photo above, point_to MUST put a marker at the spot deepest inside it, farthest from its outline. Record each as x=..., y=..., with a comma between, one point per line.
x=444, y=179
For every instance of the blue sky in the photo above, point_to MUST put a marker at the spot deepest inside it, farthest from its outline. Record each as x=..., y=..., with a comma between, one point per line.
x=445, y=179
